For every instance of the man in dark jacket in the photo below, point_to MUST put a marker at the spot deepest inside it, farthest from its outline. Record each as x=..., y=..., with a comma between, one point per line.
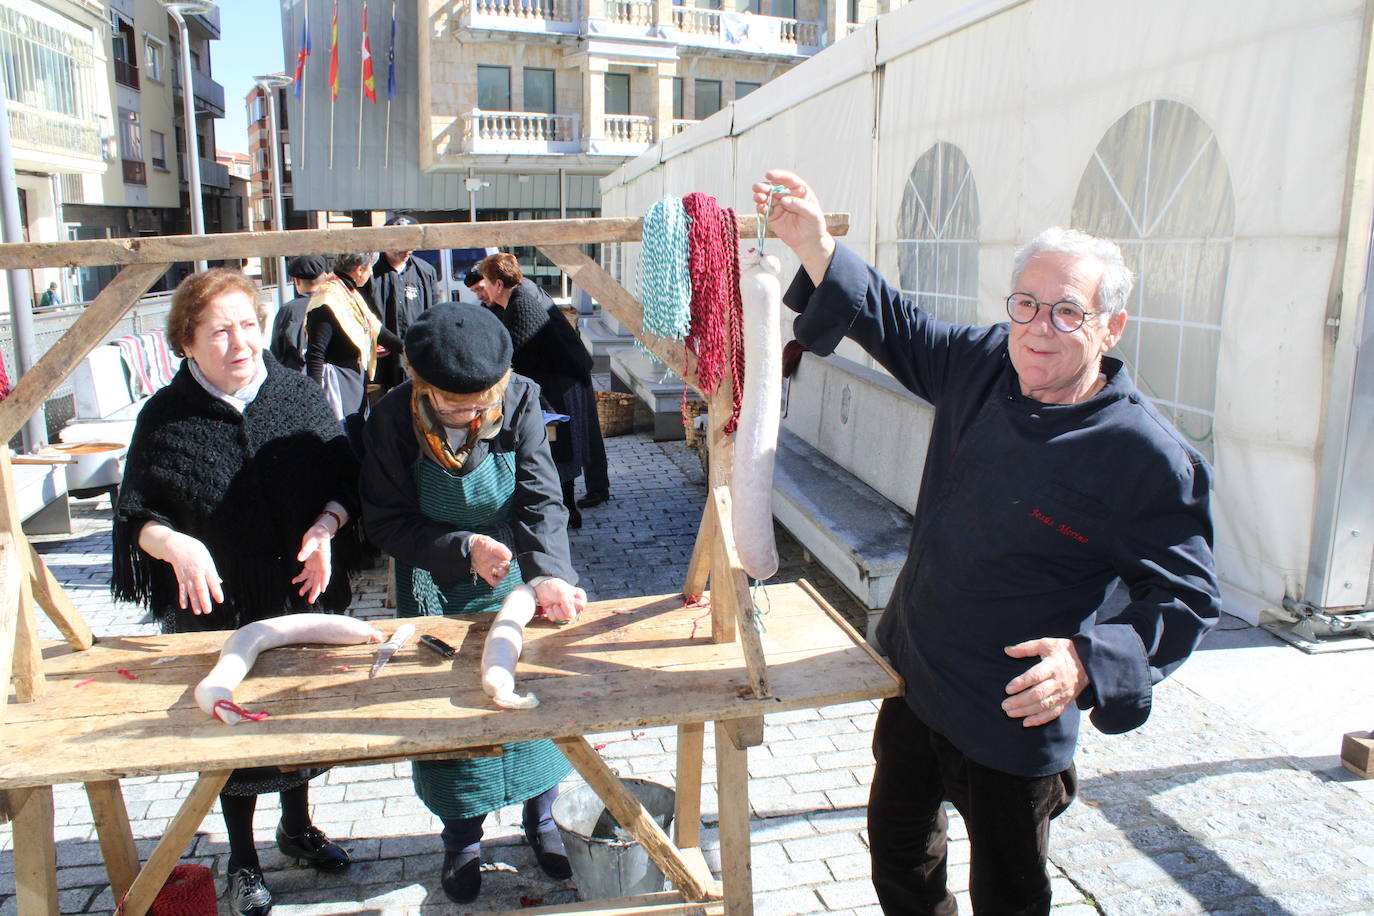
x=1048, y=477
x=403, y=287
x=288, y=328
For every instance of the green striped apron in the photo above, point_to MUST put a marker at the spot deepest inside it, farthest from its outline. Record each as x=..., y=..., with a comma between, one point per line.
x=479, y=502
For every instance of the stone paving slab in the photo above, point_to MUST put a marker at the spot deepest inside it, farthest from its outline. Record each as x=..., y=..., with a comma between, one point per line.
x=1196, y=812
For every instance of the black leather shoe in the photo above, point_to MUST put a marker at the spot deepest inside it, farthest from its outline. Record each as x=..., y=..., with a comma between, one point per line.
x=462, y=876
x=313, y=847
x=247, y=895
x=574, y=518
x=592, y=500
x=550, y=854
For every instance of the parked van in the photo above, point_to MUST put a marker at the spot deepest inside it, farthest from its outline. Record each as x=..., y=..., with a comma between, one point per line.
x=452, y=265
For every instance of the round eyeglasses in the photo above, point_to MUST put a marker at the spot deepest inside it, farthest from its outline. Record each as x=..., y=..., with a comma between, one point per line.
x=1066, y=315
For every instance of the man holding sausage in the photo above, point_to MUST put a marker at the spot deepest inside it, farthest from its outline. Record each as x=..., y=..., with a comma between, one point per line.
x=1048, y=477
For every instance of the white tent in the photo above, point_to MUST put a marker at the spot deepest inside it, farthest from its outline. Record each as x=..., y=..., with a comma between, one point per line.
x=1226, y=145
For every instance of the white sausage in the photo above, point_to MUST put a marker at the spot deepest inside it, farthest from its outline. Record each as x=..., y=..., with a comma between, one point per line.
x=756, y=438
x=505, y=639
x=244, y=645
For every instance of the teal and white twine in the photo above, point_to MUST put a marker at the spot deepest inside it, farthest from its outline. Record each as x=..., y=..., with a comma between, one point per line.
x=664, y=283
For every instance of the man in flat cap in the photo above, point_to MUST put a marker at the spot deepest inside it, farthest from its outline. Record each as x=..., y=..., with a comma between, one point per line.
x=288, y=328
x=403, y=288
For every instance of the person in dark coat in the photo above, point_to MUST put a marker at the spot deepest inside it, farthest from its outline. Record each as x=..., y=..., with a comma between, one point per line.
x=237, y=484
x=548, y=350
x=403, y=287
x=458, y=485
x=288, y=341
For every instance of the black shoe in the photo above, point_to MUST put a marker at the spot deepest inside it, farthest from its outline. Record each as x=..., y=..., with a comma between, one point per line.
x=592, y=500
x=550, y=854
x=574, y=518
x=462, y=876
x=313, y=847
x=246, y=893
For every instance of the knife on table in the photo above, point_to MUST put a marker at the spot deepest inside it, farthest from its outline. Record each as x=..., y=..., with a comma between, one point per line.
x=390, y=647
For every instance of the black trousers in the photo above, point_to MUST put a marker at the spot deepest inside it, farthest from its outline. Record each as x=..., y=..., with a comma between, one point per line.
x=1008, y=820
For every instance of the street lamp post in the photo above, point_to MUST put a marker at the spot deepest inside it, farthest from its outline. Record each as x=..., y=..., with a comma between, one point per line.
x=178, y=10
x=269, y=84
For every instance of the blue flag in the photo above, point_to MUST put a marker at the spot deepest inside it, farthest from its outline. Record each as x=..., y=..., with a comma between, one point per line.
x=303, y=53
x=391, y=58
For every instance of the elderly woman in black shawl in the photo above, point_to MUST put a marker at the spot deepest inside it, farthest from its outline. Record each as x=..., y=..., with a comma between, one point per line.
x=237, y=484
x=548, y=350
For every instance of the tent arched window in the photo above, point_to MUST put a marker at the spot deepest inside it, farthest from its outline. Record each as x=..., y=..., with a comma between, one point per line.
x=1159, y=187
x=937, y=235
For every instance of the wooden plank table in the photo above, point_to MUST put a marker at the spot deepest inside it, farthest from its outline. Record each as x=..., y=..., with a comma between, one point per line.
x=623, y=664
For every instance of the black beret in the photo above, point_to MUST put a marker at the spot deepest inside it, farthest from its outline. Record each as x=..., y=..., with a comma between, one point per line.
x=307, y=266
x=472, y=278
x=458, y=347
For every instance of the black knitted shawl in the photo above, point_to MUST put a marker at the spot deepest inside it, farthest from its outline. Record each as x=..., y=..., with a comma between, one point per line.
x=246, y=485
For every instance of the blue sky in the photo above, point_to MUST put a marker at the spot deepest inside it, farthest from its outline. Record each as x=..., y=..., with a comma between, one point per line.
x=249, y=45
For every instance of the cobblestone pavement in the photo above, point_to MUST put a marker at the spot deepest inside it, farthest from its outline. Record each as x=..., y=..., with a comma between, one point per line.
x=1196, y=812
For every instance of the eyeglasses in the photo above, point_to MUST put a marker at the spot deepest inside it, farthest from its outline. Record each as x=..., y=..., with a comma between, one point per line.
x=1066, y=315
x=463, y=411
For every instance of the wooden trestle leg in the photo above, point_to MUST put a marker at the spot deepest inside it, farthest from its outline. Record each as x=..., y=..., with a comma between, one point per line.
x=168, y=850
x=116, y=836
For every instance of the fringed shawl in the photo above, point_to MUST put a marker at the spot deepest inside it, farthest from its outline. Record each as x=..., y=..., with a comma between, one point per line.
x=247, y=486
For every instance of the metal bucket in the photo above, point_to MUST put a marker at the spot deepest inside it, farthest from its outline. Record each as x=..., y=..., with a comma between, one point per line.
x=606, y=863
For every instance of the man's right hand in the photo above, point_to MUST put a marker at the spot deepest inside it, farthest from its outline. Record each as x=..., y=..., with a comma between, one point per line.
x=797, y=219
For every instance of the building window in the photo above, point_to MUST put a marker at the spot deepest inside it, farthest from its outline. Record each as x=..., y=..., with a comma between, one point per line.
x=157, y=149
x=617, y=93
x=853, y=10
x=707, y=98
x=45, y=67
x=123, y=50
x=154, y=58
x=539, y=90
x=749, y=6
x=493, y=88
x=678, y=107
x=787, y=9
x=286, y=157
x=131, y=147
x=743, y=88
x=937, y=236
x=1158, y=186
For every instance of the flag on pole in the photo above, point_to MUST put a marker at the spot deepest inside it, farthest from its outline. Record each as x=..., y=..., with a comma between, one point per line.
x=334, y=55
x=391, y=58
x=303, y=53
x=369, y=83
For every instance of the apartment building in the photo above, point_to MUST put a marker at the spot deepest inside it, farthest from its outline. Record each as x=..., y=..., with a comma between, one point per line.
x=514, y=109
x=94, y=94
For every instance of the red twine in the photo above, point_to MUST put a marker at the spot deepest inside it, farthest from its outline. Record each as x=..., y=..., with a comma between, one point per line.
x=126, y=675
x=634, y=736
x=233, y=707
x=716, y=336
x=89, y=680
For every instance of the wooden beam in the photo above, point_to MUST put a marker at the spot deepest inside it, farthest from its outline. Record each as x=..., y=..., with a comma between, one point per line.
x=632, y=817
x=116, y=835
x=97, y=321
x=744, y=733
x=35, y=859
x=730, y=592
x=11, y=596
x=665, y=903
x=53, y=598
x=169, y=849
x=699, y=567
x=691, y=746
x=732, y=792
x=25, y=654
x=167, y=249
x=622, y=306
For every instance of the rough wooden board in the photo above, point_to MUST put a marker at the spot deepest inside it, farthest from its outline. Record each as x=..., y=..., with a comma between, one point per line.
x=732, y=795
x=165, y=250
x=629, y=813
x=666, y=903
x=116, y=835
x=55, y=601
x=11, y=595
x=699, y=567
x=173, y=843
x=18, y=617
x=730, y=591
x=607, y=672
x=691, y=744
x=97, y=320
x=35, y=859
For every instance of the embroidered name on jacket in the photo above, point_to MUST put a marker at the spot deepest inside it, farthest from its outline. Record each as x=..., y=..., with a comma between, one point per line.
x=1060, y=527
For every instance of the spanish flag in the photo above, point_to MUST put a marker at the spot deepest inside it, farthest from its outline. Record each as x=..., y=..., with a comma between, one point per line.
x=369, y=84
x=334, y=54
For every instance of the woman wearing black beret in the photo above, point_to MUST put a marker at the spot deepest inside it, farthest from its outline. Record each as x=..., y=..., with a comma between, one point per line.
x=459, y=486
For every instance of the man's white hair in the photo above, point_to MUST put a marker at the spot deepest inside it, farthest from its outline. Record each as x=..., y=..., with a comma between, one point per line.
x=1117, y=279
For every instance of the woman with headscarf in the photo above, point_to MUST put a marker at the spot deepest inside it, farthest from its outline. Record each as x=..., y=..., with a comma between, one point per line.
x=548, y=350
x=237, y=484
x=458, y=485
x=345, y=336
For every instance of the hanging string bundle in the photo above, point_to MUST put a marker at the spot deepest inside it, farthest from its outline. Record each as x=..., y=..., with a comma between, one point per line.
x=716, y=337
x=664, y=287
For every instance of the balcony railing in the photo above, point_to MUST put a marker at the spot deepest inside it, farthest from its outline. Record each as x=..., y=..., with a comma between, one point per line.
x=517, y=132
x=42, y=131
x=212, y=174
x=746, y=31
x=126, y=73
x=629, y=129
x=135, y=172
x=549, y=10
x=631, y=12
x=681, y=124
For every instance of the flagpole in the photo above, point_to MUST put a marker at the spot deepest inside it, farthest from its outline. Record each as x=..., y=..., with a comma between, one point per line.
x=300, y=144
x=333, y=75
x=390, y=71
x=362, y=88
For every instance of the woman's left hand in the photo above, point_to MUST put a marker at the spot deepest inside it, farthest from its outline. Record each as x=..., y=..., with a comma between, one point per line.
x=315, y=557
x=561, y=602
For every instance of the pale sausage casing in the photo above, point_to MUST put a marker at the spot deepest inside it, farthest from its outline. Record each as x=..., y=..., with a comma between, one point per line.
x=244, y=645
x=756, y=438
x=505, y=639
